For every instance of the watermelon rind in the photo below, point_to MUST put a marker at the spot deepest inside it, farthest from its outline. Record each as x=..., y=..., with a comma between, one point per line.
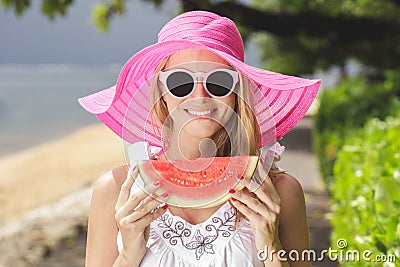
x=198, y=197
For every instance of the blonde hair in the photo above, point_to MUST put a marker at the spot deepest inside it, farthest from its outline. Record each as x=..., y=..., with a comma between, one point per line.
x=243, y=129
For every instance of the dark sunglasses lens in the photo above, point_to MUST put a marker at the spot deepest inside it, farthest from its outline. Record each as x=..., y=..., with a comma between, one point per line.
x=220, y=83
x=180, y=84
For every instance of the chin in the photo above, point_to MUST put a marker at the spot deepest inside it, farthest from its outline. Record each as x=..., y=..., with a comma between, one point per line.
x=203, y=131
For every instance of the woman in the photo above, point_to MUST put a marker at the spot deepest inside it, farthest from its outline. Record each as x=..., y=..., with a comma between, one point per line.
x=237, y=118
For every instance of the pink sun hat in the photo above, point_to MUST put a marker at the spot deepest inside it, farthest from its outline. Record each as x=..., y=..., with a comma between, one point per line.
x=285, y=99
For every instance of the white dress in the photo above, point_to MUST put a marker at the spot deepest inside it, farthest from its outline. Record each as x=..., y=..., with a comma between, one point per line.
x=214, y=242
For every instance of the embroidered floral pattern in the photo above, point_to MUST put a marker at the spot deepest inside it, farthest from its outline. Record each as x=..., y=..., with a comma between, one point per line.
x=201, y=242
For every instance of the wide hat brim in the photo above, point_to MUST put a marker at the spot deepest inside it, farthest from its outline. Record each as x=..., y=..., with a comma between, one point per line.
x=288, y=97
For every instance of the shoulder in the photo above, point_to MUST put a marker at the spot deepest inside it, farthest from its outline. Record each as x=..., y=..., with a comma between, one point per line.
x=287, y=186
x=293, y=225
x=291, y=194
x=293, y=207
x=101, y=247
x=109, y=184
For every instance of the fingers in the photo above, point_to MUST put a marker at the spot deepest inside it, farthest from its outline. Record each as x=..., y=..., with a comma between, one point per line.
x=267, y=190
x=268, y=187
x=139, y=209
x=264, y=199
x=145, y=212
x=123, y=209
x=141, y=224
x=246, y=211
x=126, y=188
x=252, y=202
x=146, y=220
x=146, y=208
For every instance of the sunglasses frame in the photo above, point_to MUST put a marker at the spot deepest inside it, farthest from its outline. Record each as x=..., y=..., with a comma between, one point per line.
x=163, y=76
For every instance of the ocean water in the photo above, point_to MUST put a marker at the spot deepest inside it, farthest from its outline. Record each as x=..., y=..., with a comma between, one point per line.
x=38, y=102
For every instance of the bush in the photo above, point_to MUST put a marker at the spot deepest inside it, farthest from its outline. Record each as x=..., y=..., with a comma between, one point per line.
x=366, y=192
x=345, y=109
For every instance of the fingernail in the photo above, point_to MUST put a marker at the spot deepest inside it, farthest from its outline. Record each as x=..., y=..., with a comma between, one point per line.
x=164, y=195
x=233, y=199
x=232, y=191
x=156, y=183
x=165, y=206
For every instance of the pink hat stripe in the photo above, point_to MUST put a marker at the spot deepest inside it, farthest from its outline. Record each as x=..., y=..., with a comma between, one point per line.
x=218, y=46
x=297, y=104
x=183, y=32
x=137, y=102
x=111, y=122
x=283, y=121
x=293, y=82
x=147, y=56
x=264, y=118
x=134, y=124
x=133, y=135
x=133, y=107
x=138, y=115
x=284, y=102
x=99, y=101
x=177, y=29
x=274, y=96
x=133, y=73
x=276, y=110
x=143, y=135
x=259, y=100
x=125, y=106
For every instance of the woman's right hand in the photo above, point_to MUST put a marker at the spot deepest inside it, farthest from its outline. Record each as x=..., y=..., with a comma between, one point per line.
x=133, y=218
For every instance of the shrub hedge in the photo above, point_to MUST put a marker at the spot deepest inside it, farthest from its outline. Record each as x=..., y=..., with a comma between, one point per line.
x=366, y=192
x=348, y=107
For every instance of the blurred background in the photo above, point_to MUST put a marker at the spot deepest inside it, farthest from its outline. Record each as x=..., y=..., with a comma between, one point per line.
x=345, y=152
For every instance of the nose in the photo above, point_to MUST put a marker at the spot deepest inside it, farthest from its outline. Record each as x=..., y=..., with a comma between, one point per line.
x=199, y=90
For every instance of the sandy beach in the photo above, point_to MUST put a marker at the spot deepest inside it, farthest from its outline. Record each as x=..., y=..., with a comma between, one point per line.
x=46, y=173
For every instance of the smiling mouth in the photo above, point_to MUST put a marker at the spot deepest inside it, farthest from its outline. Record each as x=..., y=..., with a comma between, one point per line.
x=200, y=113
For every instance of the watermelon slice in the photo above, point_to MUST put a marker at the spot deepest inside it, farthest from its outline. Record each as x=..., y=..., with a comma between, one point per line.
x=197, y=183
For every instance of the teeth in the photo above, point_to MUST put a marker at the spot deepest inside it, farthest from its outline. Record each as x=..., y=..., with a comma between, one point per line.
x=200, y=113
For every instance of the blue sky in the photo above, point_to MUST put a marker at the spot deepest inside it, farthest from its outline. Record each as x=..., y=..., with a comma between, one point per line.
x=32, y=38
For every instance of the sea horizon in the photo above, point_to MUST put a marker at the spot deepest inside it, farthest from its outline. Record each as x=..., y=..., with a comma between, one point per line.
x=38, y=102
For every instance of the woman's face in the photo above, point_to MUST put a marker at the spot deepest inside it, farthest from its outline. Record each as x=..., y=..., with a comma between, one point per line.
x=199, y=114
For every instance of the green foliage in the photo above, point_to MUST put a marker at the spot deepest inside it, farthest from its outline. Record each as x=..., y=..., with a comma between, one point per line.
x=368, y=8
x=295, y=55
x=19, y=6
x=102, y=13
x=345, y=109
x=365, y=193
x=50, y=8
x=53, y=8
x=100, y=17
x=300, y=53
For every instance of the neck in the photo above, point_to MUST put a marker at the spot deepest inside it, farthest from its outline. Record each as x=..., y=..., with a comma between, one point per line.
x=194, y=216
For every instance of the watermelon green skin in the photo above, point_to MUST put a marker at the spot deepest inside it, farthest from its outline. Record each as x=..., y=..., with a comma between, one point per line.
x=197, y=183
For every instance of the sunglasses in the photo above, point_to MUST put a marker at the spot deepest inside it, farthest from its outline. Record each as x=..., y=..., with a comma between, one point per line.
x=181, y=83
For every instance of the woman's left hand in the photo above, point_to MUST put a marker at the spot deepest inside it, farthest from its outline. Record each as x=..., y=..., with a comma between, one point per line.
x=262, y=208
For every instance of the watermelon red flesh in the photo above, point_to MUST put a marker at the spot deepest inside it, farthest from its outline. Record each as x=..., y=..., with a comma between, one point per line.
x=191, y=186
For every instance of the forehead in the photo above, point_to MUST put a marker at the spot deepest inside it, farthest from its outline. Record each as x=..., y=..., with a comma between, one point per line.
x=190, y=56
